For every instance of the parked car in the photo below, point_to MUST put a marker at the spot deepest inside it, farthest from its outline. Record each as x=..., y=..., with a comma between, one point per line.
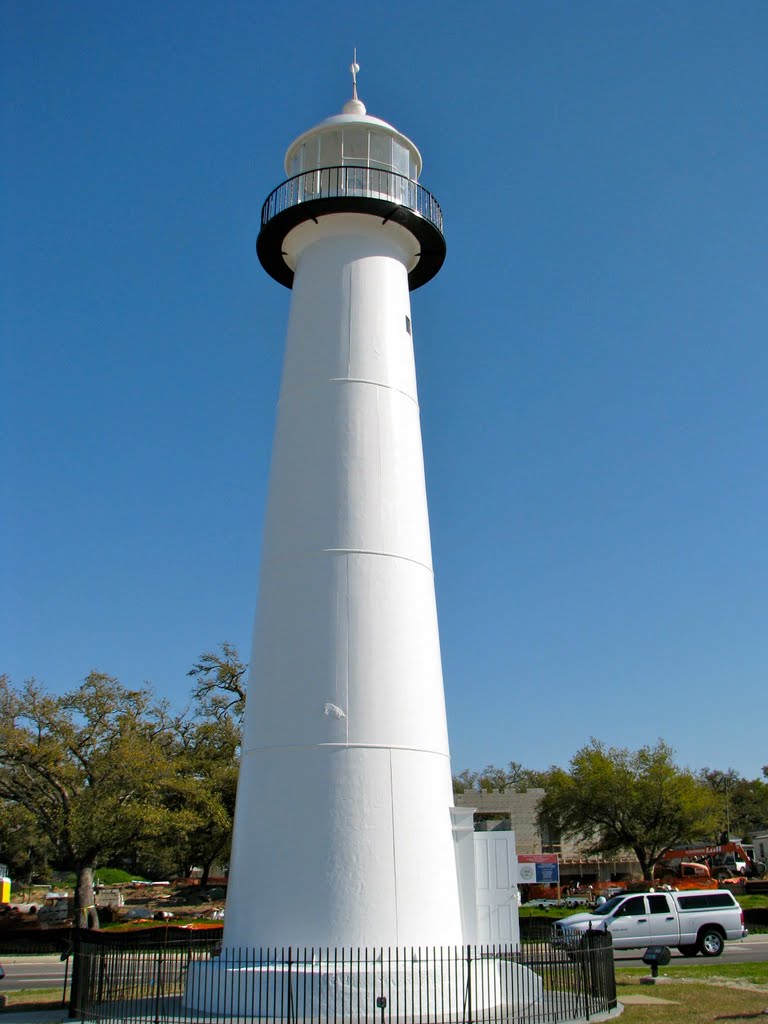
x=694, y=921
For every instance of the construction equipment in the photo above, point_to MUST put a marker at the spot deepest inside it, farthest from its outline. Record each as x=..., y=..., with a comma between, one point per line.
x=683, y=874
x=723, y=860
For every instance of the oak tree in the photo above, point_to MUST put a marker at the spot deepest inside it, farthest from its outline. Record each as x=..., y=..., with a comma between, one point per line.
x=614, y=799
x=89, y=766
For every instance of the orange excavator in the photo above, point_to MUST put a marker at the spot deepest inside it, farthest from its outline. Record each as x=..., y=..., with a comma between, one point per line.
x=683, y=874
x=716, y=861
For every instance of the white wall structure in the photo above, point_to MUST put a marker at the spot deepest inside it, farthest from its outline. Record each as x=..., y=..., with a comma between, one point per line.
x=496, y=876
x=343, y=831
x=464, y=846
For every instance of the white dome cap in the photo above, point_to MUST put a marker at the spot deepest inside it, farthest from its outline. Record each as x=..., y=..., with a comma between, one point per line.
x=354, y=113
x=353, y=106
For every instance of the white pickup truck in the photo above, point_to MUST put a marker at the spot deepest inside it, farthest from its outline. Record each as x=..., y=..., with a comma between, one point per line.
x=693, y=920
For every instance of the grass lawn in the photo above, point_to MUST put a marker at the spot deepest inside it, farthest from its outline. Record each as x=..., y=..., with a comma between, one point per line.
x=755, y=974
x=32, y=999
x=753, y=902
x=695, y=994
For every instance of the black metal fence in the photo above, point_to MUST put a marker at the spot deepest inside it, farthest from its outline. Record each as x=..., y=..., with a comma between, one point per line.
x=34, y=941
x=533, y=983
x=363, y=182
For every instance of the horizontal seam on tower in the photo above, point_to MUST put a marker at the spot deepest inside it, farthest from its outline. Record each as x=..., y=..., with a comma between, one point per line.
x=347, y=380
x=350, y=551
x=344, y=746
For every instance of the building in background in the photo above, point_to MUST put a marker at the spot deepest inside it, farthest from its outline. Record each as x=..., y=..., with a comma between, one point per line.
x=516, y=811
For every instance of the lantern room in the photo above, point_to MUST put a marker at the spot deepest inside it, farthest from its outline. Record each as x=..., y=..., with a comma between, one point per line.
x=352, y=163
x=354, y=139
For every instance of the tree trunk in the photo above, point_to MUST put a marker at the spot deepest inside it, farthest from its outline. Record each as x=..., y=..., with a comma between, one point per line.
x=207, y=865
x=85, y=903
x=645, y=866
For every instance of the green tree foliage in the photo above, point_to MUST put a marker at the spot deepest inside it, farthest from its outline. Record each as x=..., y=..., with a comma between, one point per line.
x=219, y=690
x=204, y=786
x=204, y=790
x=24, y=847
x=617, y=799
x=89, y=767
x=743, y=802
x=465, y=781
x=514, y=776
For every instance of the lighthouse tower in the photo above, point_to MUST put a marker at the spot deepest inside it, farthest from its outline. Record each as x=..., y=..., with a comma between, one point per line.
x=343, y=830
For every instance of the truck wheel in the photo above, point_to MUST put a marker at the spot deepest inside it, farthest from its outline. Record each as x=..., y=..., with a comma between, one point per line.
x=688, y=950
x=711, y=942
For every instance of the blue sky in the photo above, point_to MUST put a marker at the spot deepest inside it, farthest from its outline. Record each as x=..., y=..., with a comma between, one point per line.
x=592, y=359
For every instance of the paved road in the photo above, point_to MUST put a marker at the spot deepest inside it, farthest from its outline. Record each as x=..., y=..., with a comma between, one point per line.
x=753, y=949
x=32, y=972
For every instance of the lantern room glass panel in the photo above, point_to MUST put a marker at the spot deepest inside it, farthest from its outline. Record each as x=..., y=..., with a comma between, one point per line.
x=355, y=147
x=330, y=149
x=400, y=157
x=309, y=154
x=310, y=183
x=381, y=151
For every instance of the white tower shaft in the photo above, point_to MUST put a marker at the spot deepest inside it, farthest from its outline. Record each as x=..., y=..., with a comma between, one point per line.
x=343, y=831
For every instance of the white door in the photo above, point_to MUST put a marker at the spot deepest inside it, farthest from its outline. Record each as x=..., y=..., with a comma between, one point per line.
x=630, y=928
x=662, y=920
x=496, y=888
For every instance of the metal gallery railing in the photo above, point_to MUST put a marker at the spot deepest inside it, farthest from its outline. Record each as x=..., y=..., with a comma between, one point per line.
x=358, y=182
x=531, y=983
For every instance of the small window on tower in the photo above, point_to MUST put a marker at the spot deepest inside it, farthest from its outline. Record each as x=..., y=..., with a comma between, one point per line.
x=408, y=325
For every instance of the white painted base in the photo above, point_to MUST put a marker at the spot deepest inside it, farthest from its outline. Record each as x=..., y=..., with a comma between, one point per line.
x=327, y=991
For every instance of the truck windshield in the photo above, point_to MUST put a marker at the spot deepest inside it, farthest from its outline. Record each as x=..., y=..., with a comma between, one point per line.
x=609, y=906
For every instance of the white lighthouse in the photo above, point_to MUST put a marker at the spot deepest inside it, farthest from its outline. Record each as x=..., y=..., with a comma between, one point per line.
x=343, y=824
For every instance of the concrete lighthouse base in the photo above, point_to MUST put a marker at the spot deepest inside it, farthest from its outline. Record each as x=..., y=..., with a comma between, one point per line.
x=407, y=985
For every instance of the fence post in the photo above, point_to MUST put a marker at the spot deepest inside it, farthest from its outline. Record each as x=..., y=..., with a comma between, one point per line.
x=290, y=987
x=468, y=994
x=158, y=975
x=601, y=969
x=585, y=945
x=77, y=965
x=102, y=970
x=609, y=971
x=65, y=957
